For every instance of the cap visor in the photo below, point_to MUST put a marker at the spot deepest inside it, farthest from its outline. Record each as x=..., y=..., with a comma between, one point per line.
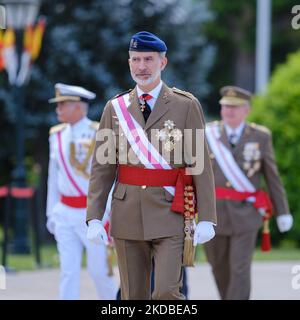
x=233, y=101
x=64, y=98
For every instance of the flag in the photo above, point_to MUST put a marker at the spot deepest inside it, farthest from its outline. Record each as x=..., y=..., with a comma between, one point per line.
x=10, y=55
x=26, y=56
x=1, y=52
x=37, y=38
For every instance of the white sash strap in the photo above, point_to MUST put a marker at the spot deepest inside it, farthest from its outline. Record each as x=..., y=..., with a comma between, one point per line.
x=226, y=161
x=142, y=147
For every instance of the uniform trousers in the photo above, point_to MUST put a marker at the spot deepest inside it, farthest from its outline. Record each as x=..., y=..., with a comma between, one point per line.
x=230, y=258
x=70, y=234
x=135, y=266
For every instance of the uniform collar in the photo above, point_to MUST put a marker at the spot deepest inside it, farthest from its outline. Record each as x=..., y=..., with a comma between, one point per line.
x=237, y=131
x=82, y=123
x=154, y=93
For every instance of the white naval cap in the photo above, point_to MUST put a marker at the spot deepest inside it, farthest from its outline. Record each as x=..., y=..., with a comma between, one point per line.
x=64, y=92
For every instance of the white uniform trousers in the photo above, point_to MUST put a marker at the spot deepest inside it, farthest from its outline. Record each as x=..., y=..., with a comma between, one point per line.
x=70, y=234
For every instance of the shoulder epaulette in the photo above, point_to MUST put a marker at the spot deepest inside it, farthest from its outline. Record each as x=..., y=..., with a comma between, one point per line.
x=260, y=127
x=184, y=93
x=57, y=128
x=94, y=125
x=122, y=93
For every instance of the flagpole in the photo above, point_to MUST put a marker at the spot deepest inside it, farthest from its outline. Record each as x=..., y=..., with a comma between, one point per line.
x=263, y=44
x=20, y=242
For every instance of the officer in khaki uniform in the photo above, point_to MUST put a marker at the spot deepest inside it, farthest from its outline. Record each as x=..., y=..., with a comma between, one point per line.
x=143, y=224
x=230, y=252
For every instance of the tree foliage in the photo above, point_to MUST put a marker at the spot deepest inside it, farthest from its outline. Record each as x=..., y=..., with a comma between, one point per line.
x=233, y=32
x=86, y=43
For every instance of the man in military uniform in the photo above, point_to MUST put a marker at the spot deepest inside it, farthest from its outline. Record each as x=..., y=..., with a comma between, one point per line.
x=146, y=222
x=242, y=155
x=71, y=146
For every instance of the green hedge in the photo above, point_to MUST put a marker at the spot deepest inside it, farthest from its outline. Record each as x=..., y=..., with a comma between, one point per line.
x=279, y=109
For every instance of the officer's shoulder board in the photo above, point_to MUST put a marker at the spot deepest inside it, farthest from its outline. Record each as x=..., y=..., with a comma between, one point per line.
x=57, y=128
x=260, y=128
x=183, y=93
x=94, y=125
x=121, y=94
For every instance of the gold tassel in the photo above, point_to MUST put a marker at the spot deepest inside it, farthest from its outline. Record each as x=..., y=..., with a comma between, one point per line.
x=189, y=251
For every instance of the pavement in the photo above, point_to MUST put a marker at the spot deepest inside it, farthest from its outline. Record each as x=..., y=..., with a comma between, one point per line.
x=270, y=281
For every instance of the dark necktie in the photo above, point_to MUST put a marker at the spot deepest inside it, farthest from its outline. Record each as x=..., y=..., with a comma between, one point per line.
x=145, y=108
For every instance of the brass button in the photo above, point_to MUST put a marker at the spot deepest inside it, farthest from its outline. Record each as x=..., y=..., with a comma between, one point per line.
x=144, y=187
x=228, y=184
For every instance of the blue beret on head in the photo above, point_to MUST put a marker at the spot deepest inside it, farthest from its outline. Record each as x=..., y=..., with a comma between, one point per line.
x=147, y=42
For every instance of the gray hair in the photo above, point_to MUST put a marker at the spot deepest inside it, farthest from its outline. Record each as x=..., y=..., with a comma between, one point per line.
x=162, y=54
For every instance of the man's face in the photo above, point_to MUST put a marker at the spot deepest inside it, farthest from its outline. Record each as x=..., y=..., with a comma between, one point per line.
x=65, y=111
x=233, y=116
x=146, y=67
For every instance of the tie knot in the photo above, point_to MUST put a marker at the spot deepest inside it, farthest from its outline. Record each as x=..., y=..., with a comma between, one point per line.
x=146, y=97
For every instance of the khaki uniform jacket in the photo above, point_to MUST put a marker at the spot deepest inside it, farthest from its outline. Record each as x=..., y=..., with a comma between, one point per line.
x=255, y=144
x=144, y=213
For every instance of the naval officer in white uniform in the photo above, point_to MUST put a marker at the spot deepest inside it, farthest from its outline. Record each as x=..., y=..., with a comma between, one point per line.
x=71, y=147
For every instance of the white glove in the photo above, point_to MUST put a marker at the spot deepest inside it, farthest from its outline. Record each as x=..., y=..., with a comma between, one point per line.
x=96, y=232
x=284, y=222
x=50, y=225
x=204, y=232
